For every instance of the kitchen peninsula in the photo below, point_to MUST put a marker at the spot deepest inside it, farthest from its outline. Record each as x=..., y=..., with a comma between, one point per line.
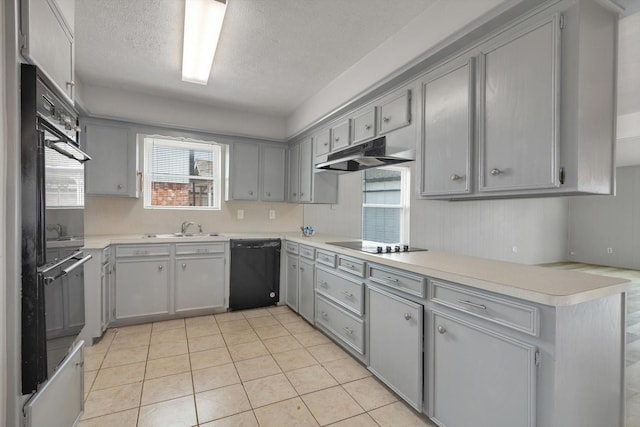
x=439, y=329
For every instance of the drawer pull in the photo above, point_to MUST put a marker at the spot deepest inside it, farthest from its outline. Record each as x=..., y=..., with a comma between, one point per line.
x=391, y=279
x=348, y=294
x=323, y=283
x=495, y=172
x=184, y=266
x=367, y=127
x=386, y=119
x=407, y=316
x=472, y=304
x=441, y=329
x=160, y=267
x=349, y=265
x=347, y=330
x=324, y=314
x=301, y=268
x=203, y=251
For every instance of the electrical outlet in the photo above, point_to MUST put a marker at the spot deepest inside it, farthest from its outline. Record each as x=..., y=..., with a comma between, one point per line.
x=514, y=249
x=240, y=213
x=609, y=250
x=272, y=214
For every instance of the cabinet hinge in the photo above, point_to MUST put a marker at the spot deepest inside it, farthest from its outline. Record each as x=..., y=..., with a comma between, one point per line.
x=561, y=176
x=536, y=358
x=562, y=21
x=22, y=40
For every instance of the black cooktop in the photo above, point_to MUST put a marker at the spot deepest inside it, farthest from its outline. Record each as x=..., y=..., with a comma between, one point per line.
x=376, y=247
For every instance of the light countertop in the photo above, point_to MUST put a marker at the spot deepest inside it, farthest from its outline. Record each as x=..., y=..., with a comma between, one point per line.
x=532, y=283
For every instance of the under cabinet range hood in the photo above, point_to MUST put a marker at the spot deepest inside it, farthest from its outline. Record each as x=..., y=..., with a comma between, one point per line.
x=374, y=153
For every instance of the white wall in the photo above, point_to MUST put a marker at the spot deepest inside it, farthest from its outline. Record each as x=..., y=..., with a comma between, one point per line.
x=602, y=222
x=142, y=108
x=484, y=228
x=423, y=34
x=120, y=215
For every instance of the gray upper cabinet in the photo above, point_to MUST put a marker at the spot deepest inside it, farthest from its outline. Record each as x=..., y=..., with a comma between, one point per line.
x=395, y=112
x=294, y=173
x=322, y=142
x=306, y=170
x=244, y=167
x=448, y=130
x=341, y=135
x=113, y=168
x=364, y=124
x=48, y=40
x=518, y=110
x=306, y=185
x=272, y=173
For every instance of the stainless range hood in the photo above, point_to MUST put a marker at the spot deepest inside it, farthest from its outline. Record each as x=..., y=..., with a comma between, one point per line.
x=374, y=153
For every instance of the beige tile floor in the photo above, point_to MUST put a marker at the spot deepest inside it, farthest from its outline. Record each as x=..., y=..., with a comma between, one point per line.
x=262, y=367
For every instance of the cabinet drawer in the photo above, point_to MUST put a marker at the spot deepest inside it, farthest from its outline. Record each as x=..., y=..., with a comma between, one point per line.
x=364, y=125
x=322, y=143
x=307, y=251
x=504, y=312
x=326, y=258
x=344, y=291
x=292, y=248
x=351, y=265
x=395, y=113
x=343, y=325
x=340, y=136
x=401, y=280
x=199, y=248
x=142, y=250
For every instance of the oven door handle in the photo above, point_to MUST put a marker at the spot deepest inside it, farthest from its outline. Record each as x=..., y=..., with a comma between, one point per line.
x=47, y=268
x=50, y=279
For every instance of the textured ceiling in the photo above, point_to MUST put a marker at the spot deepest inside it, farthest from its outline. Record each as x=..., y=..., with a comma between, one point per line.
x=272, y=55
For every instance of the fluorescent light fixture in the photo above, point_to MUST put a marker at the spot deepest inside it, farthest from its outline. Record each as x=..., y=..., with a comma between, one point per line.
x=202, y=26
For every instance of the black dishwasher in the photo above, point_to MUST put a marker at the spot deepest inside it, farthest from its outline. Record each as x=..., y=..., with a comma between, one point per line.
x=255, y=273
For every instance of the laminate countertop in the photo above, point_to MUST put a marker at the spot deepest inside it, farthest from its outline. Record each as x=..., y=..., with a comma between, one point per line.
x=531, y=283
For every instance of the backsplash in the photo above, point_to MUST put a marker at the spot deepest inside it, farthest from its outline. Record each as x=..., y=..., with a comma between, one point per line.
x=115, y=215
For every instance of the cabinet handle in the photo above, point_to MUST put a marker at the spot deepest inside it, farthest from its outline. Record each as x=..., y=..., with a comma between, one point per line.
x=184, y=266
x=349, y=265
x=323, y=284
x=441, y=329
x=268, y=194
x=325, y=144
x=120, y=186
x=301, y=268
x=495, y=172
x=295, y=194
x=348, y=294
x=455, y=177
x=367, y=127
x=251, y=193
x=160, y=267
x=386, y=119
x=293, y=265
x=407, y=316
x=71, y=83
x=324, y=314
x=347, y=330
x=301, y=194
x=337, y=138
x=472, y=304
x=391, y=279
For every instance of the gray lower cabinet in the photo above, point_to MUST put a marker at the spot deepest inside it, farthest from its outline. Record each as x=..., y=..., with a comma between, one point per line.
x=306, y=300
x=480, y=377
x=199, y=282
x=395, y=344
x=292, y=281
x=142, y=287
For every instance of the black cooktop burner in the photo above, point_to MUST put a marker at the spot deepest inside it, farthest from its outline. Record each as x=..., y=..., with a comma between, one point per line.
x=376, y=247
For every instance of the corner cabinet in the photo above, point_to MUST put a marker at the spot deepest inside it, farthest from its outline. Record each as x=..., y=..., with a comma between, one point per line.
x=47, y=40
x=113, y=170
x=490, y=375
x=305, y=184
x=540, y=119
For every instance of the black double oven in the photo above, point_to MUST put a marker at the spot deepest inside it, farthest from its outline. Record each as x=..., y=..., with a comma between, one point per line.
x=52, y=166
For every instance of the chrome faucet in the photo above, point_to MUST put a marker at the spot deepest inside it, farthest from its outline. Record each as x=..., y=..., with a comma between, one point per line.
x=186, y=225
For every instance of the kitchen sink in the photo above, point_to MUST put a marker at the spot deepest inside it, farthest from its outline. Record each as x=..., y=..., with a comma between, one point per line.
x=168, y=235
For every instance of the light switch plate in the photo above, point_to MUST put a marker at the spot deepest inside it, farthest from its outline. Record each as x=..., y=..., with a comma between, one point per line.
x=240, y=213
x=272, y=214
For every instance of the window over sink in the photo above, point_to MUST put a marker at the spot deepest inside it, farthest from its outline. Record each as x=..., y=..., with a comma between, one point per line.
x=181, y=173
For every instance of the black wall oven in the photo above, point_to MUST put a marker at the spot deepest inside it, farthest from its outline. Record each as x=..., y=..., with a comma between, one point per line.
x=52, y=166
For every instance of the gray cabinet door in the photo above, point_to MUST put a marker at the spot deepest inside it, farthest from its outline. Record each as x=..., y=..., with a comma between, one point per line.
x=448, y=131
x=306, y=302
x=294, y=173
x=322, y=142
x=395, y=112
x=292, y=282
x=364, y=125
x=395, y=344
x=199, y=283
x=306, y=171
x=272, y=166
x=113, y=169
x=245, y=163
x=142, y=288
x=468, y=362
x=341, y=135
x=519, y=116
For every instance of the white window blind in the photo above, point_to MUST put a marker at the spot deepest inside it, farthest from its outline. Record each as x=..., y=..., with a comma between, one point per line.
x=181, y=174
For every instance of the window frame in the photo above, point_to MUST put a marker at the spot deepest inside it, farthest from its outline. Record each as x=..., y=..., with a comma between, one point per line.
x=403, y=206
x=180, y=142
